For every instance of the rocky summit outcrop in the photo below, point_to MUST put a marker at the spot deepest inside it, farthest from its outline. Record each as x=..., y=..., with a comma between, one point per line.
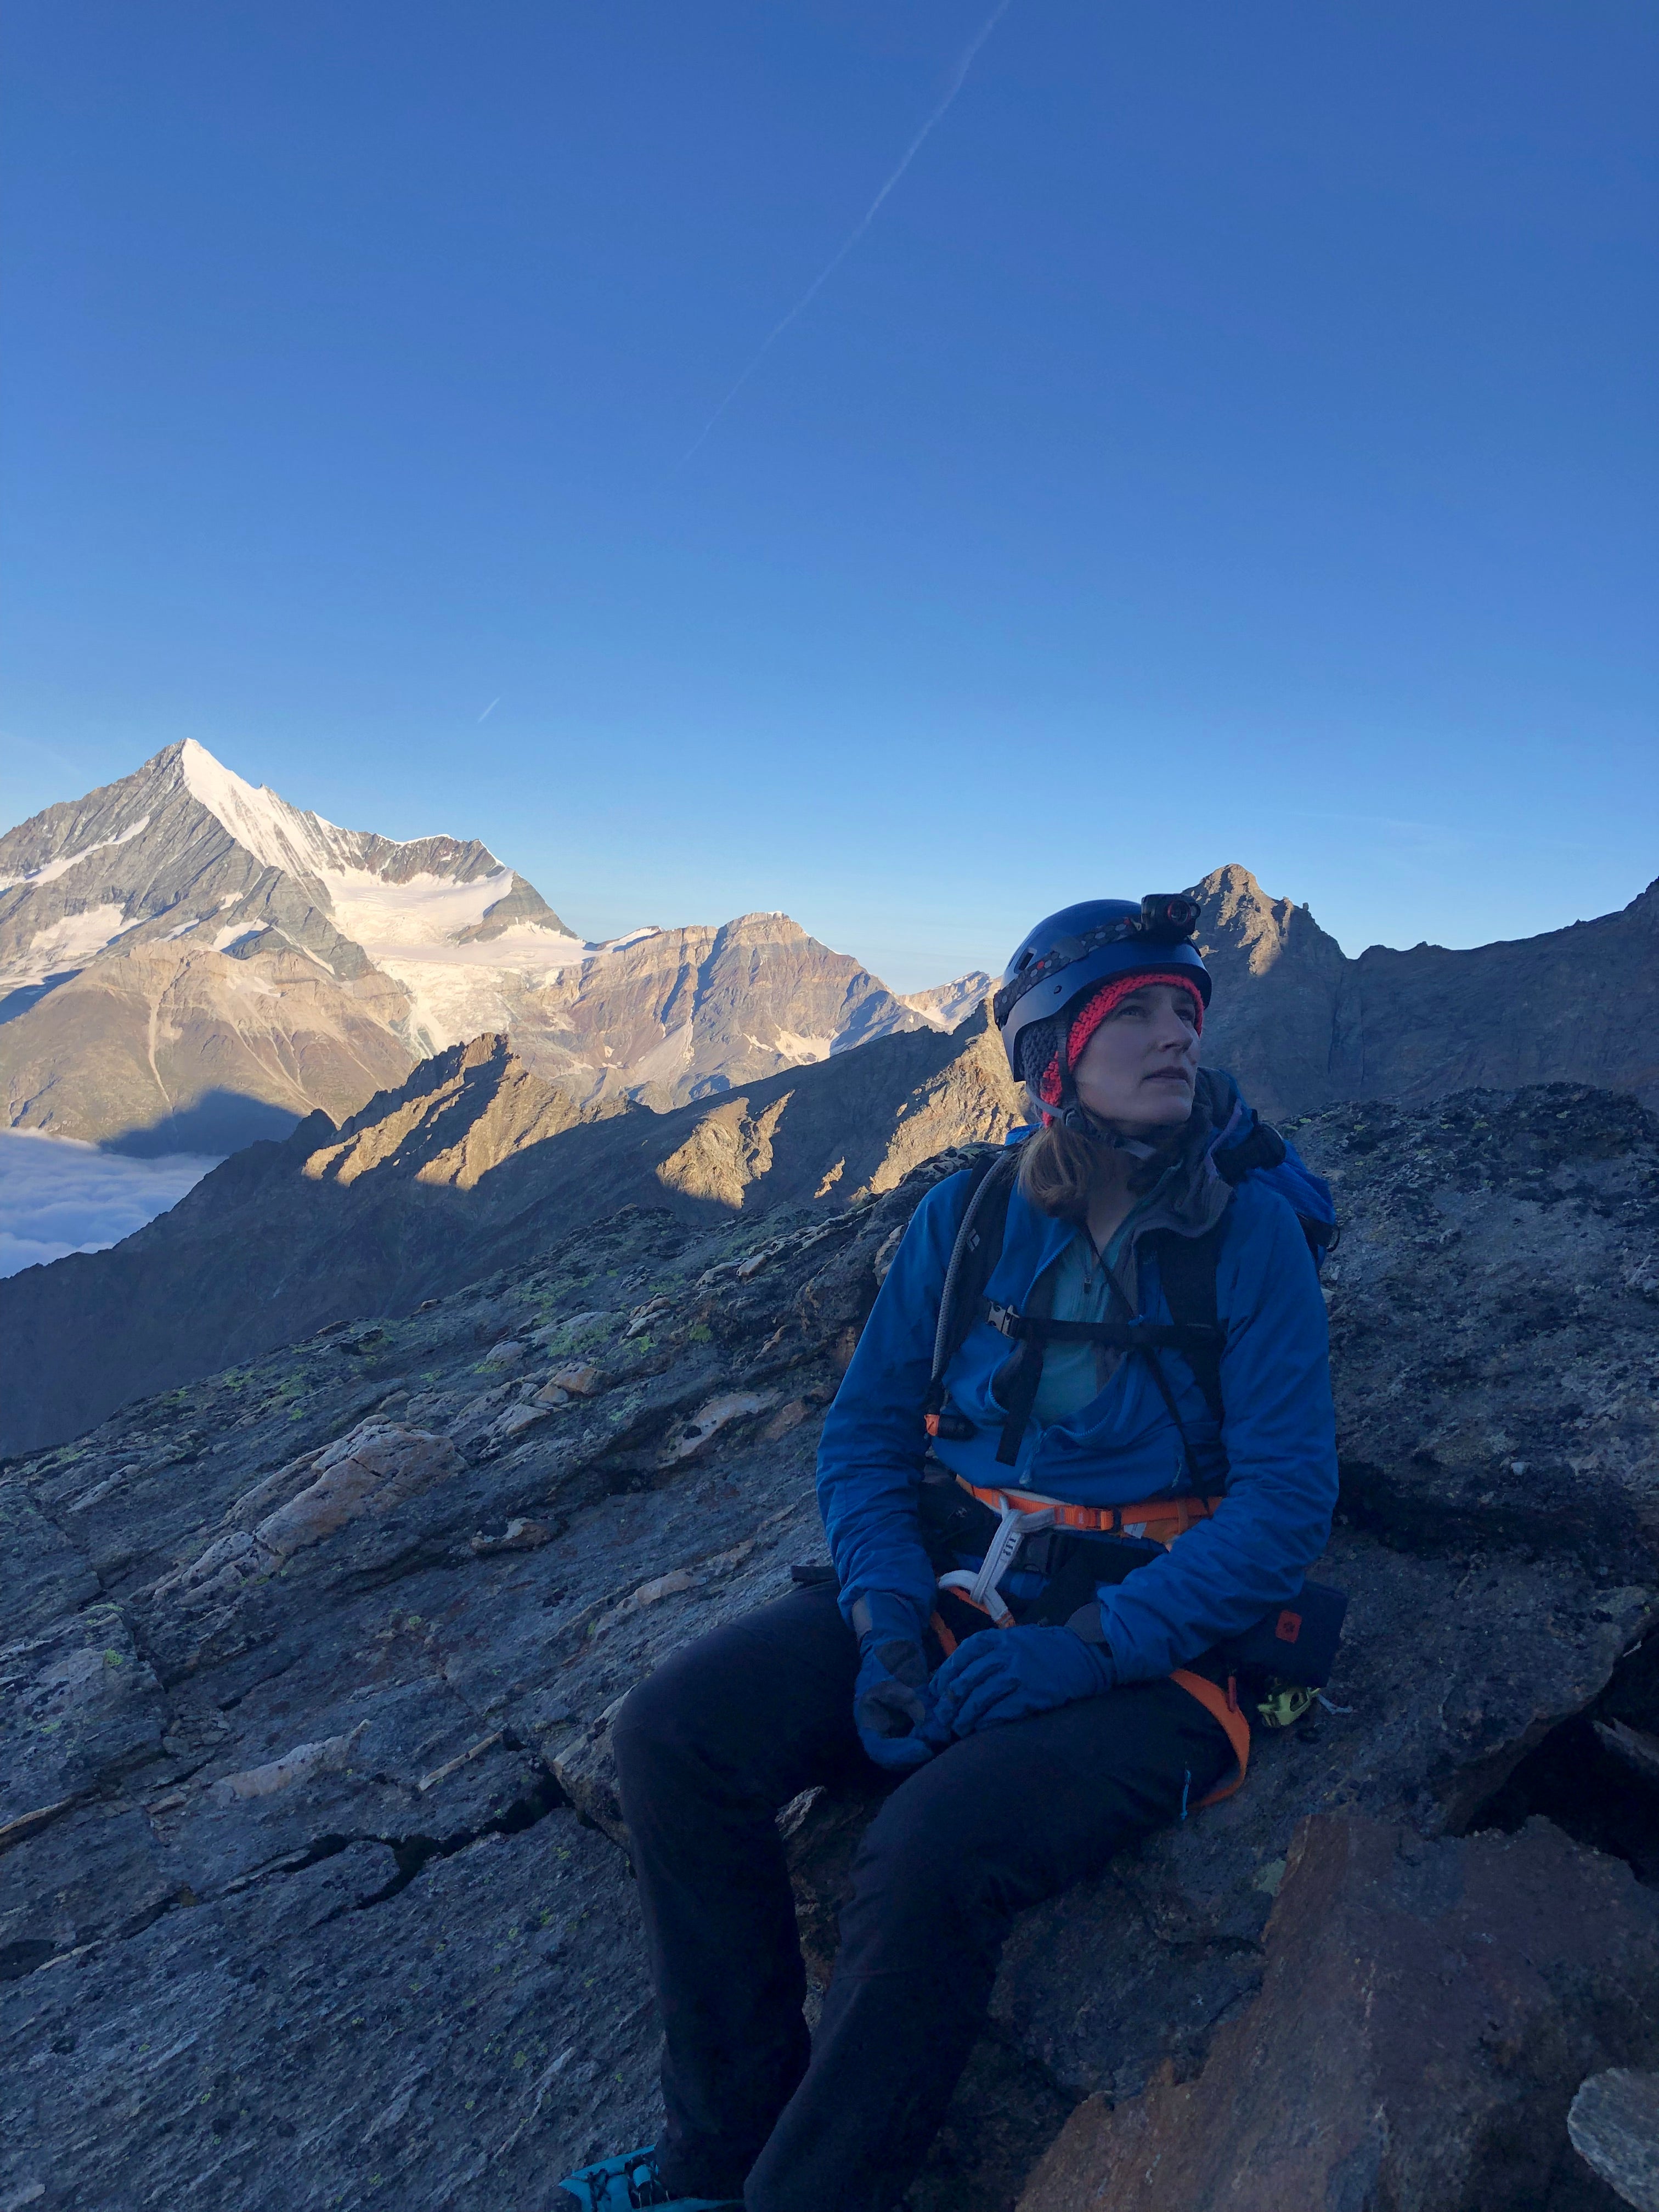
x=1300, y=1025
x=310, y=1885
x=475, y=1161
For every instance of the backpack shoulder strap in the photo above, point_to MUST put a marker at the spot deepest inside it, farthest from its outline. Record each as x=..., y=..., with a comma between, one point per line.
x=1186, y=1269
x=974, y=1257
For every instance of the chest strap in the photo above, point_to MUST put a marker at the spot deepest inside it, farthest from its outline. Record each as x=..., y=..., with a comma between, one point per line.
x=1123, y=1335
x=1015, y=1383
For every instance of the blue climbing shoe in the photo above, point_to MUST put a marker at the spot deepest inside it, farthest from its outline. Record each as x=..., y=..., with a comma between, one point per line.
x=632, y=2183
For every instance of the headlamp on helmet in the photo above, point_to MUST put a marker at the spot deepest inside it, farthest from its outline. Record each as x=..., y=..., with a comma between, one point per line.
x=1082, y=946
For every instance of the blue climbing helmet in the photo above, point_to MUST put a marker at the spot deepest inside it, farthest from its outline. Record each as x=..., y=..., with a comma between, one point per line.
x=1073, y=952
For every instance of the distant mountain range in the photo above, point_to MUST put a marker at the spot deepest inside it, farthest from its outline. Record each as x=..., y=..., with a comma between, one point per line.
x=188, y=963
x=1303, y=1026
x=191, y=963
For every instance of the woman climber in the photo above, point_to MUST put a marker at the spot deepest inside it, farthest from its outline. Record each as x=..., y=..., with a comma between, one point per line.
x=1067, y=1503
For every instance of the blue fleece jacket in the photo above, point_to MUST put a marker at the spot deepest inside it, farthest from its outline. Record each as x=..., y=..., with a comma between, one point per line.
x=1275, y=1450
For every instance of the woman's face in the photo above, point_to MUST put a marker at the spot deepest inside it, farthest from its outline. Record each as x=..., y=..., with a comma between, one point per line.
x=1136, y=1072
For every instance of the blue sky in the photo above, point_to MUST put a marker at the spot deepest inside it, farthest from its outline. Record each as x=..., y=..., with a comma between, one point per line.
x=1231, y=439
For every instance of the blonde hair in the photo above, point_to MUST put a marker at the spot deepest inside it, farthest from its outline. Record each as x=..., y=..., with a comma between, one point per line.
x=1058, y=1169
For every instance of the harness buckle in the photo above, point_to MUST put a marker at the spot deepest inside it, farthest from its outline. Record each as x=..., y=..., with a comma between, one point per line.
x=983, y=1589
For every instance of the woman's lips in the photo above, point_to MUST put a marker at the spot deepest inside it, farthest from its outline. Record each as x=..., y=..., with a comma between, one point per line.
x=1169, y=1075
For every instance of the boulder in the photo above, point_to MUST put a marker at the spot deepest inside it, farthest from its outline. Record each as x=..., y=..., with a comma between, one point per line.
x=1425, y=2015
x=1615, y=2125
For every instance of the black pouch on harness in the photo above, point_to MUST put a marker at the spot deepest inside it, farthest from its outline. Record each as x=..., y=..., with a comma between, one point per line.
x=1296, y=1642
x=1076, y=1565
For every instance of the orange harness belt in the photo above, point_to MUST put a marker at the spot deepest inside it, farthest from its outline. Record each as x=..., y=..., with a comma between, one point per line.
x=1161, y=1520
x=1172, y=1514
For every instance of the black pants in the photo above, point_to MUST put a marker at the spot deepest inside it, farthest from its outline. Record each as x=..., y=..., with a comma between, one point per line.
x=708, y=1748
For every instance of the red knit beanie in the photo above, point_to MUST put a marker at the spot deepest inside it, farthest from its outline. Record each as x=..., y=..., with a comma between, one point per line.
x=1093, y=1011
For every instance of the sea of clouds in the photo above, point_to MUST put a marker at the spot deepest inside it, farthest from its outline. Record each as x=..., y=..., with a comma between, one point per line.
x=58, y=1196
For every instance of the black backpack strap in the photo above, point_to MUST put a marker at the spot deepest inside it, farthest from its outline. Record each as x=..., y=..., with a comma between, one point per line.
x=1186, y=1269
x=1133, y=1335
x=1014, y=1386
x=974, y=1255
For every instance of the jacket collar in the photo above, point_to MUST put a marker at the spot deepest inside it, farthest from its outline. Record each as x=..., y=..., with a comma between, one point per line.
x=1191, y=1195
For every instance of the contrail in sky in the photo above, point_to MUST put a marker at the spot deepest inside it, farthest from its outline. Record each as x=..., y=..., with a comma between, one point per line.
x=958, y=79
x=489, y=711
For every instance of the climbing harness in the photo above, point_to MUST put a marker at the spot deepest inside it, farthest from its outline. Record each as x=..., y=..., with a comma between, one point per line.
x=1284, y=1660
x=1221, y=1705
x=1021, y=1514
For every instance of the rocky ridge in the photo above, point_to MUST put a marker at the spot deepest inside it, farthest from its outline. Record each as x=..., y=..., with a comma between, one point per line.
x=475, y=1162
x=312, y=1665
x=1302, y=1025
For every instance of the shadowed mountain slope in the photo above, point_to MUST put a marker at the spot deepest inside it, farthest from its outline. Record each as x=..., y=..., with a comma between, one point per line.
x=475, y=1162
x=173, y=1048
x=1302, y=1026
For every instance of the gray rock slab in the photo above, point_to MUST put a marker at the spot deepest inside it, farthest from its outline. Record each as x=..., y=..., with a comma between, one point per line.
x=1614, y=2122
x=462, y=2043
x=45, y=1574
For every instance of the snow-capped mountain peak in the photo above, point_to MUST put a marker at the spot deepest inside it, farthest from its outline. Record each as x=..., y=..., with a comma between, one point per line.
x=186, y=943
x=387, y=890
x=277, y=835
